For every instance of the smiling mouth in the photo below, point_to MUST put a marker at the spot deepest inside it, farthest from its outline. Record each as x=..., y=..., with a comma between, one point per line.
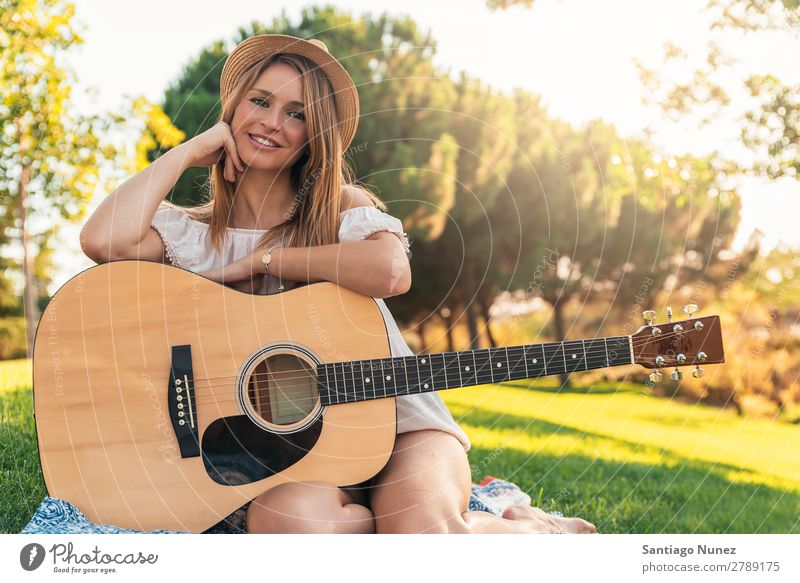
x=260, y=145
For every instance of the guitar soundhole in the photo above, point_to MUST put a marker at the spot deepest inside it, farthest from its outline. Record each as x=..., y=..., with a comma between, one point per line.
x=282, y=393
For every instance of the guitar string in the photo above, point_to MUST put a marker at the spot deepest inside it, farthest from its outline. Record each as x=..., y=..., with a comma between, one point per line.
x=601, y=350
x=445, y=369
x=362, y=395
x=598, y=350
x=374, y=390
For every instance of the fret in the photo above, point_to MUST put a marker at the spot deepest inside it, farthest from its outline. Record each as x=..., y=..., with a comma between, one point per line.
x=389, y=377
x=401, y=376
x=378, y=382
x=452, y=373
x=341, y=386
x=457, y=364
x=575, y=358
x=322, y=377
x=618, y=350
x=357, y=389
x=358, y=373
x=419, y=376
x=499, y=363
x=427, y=373
x=483, y=366
x=366, y=379
x=554, y=358
x=534, y=360
x=439, y=373
x=466, y=364
x=352, y=390
x=412, y=375
x=518, y=365
x=596, y=353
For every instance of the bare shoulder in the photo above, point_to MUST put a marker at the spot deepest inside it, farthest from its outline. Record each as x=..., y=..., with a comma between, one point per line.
x=354, y=196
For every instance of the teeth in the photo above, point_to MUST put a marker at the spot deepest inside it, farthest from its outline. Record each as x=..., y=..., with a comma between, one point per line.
x=264, y=142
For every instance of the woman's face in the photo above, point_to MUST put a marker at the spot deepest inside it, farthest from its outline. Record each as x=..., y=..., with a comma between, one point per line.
x=273, y=109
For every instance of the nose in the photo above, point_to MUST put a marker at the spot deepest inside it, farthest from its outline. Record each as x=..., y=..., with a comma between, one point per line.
x=271, y=120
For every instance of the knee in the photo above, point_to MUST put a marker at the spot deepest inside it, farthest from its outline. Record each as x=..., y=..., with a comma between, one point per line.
x=421, y=523
x=303, y=508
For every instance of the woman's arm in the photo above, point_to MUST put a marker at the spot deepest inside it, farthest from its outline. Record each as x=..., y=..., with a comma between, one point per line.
x=376, y=266
x=118, y=228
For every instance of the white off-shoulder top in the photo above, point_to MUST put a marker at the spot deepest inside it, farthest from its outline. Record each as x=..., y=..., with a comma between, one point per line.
x=188, y=247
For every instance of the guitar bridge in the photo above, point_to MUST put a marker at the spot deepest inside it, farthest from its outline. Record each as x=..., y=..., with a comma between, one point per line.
x=182, y=403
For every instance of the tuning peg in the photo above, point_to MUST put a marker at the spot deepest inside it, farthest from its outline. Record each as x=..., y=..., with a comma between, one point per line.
x=669, y=314
x=656, y=376
x=676, y=375
x=690, y=309
x=649, y=316
x=698, y=372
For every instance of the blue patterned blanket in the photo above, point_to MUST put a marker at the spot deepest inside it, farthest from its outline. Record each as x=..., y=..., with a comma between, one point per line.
x=56, y=516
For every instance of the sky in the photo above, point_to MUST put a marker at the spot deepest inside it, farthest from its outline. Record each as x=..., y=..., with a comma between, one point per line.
x=576, y=54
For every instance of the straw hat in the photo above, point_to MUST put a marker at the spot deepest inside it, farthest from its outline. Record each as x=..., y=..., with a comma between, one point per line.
x=256, y=48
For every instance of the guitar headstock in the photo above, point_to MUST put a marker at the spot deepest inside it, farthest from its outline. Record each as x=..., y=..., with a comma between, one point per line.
x=690, y=342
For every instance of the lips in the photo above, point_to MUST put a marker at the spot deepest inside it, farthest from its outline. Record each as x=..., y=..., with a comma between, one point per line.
x=256, y=143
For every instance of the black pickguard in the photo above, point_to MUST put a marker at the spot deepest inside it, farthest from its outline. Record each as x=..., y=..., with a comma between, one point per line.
x=236, y=451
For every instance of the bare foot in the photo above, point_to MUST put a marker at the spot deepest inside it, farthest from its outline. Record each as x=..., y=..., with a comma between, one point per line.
x=543, y=522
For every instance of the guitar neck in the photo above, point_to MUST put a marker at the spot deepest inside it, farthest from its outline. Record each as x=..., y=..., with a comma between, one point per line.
x=361, y=380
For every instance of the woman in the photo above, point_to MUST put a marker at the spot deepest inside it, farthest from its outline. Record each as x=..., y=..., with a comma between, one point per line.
x=283, y=212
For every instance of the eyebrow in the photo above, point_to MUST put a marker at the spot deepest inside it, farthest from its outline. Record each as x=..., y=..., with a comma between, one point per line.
x=269, y=94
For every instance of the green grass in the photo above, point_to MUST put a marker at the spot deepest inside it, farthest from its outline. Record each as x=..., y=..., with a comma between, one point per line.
x=613, y=454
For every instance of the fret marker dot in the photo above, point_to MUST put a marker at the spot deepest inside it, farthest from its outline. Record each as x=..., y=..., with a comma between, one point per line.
x=425, y=385
x=423, y=361
x=574, y=356
x=388, y=377
x=466, y=368
x=499, y=364
x=535, y=360
x=367, y=379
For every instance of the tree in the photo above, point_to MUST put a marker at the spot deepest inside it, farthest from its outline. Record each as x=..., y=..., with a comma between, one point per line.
x=50, y=160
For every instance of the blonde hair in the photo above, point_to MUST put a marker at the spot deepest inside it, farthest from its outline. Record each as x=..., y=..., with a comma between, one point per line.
x=319, y=175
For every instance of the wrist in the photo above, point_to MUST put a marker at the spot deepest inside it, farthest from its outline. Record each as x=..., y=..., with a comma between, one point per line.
x=267, y=259
x=181, y=155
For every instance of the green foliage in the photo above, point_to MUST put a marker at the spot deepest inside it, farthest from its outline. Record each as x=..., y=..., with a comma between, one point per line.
x=12, y=338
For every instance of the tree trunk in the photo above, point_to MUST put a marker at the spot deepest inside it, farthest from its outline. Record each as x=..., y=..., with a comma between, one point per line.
x=423, y=345
x=29, y=287
x=448, y=322
x=558, y=319
x=484, y=306
x=469, y=303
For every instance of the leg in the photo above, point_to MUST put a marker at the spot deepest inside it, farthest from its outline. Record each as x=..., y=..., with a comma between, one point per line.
x=425, y=487
x=308, y=507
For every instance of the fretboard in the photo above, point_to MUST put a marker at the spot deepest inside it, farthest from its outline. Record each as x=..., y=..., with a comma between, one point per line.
x=360, y=380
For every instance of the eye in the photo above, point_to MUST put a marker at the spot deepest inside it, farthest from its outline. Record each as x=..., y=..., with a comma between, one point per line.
x=300, y=115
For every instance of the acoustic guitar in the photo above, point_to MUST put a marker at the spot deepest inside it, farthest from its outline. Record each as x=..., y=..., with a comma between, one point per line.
x=150, y=380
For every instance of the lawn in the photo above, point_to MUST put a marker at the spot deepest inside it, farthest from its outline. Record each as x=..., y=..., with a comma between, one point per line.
x=612, y=453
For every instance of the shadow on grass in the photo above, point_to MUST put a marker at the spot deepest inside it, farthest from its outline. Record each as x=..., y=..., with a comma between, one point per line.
x=601, y=388
x=677, y=495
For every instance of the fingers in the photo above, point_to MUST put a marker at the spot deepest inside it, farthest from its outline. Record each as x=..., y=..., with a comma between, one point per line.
x=233, y=154
x=232, y=161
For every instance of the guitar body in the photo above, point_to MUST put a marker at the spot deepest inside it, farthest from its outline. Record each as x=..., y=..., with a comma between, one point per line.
x=104, y=362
